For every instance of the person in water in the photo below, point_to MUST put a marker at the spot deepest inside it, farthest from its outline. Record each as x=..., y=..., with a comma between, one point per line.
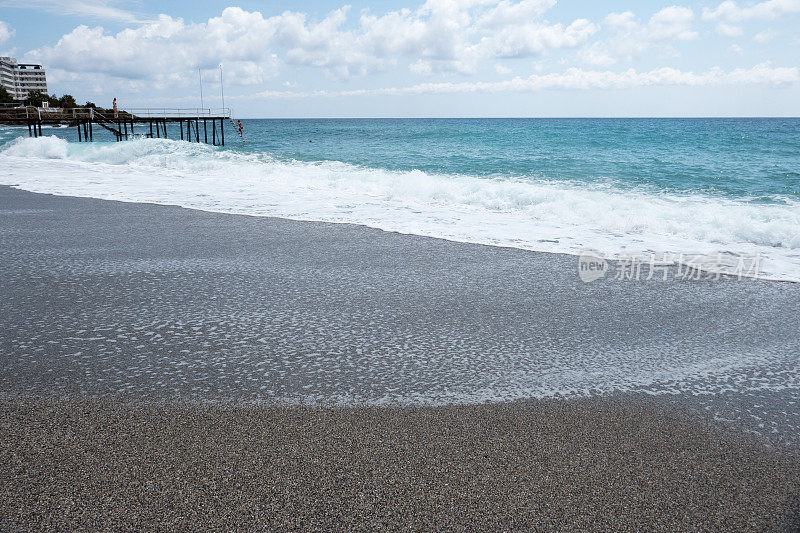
x=116, y=111
x=241, y=128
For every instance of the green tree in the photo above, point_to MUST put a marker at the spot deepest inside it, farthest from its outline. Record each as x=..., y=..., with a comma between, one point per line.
x=5, y=98
x=67, y=101
x=34, y=99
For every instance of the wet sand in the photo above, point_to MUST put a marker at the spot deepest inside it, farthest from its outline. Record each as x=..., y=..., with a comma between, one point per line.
x=159, y=302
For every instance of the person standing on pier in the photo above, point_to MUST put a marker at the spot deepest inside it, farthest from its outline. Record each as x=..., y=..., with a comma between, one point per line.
x=116, y=111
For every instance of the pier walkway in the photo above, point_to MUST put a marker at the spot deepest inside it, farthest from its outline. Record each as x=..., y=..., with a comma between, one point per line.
x=151, y=122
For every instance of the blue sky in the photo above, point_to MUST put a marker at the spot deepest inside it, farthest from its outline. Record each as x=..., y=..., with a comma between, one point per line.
x=426, y=58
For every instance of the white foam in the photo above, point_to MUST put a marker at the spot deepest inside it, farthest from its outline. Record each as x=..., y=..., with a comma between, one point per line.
x=552, y=216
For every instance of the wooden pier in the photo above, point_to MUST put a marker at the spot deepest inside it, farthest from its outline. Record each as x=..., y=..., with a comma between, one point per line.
x=151, y=122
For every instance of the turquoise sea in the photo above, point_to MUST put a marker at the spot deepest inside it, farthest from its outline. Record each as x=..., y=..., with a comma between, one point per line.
x=753, y=159
x=618, y=186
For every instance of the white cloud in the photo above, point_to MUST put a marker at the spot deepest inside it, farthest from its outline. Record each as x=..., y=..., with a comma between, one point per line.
x=729, y=30
x=100, y=9
x=730, y=11
x=672, y=23
x=736, y=49
x=167, y=48
x=534, y=39
x=438, y=36
x=764, y=36
x=631, y=38
x=621, y=22
x=508, y=13
x=577, y=79
x=597, y=55
x=6, y=32
x=500, y=69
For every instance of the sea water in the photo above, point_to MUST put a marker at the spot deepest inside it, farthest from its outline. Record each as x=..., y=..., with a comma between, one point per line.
x=620, y=187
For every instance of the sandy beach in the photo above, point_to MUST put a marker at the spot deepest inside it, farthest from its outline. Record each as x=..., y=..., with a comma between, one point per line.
x=168, y=368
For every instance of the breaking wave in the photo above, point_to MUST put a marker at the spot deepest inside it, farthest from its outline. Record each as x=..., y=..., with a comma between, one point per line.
x=536, y=214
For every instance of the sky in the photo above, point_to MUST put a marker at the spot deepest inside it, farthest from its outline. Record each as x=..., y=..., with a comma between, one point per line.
x=430, y=58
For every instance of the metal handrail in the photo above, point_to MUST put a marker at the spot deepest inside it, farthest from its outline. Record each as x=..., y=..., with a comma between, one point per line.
x=179, y=112
x=38, y=112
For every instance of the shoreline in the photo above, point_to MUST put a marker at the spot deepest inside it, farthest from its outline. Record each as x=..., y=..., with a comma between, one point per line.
x=571, y=255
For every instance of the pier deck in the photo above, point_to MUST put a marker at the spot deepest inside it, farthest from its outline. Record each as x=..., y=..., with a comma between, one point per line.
x=152, y=122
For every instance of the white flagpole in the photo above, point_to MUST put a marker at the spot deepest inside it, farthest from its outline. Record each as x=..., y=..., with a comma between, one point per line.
x=221, y=87
x=200, y=74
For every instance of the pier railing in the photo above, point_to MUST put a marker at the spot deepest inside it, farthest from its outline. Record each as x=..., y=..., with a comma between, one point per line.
x=28, y=113
x=17, y=112
x=179, y=112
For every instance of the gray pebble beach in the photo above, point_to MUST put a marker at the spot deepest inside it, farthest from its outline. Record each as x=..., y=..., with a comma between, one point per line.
x=589, y=465
x=167, y=369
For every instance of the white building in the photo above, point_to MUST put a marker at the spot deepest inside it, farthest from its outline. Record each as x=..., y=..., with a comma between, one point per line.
x=20, y=78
